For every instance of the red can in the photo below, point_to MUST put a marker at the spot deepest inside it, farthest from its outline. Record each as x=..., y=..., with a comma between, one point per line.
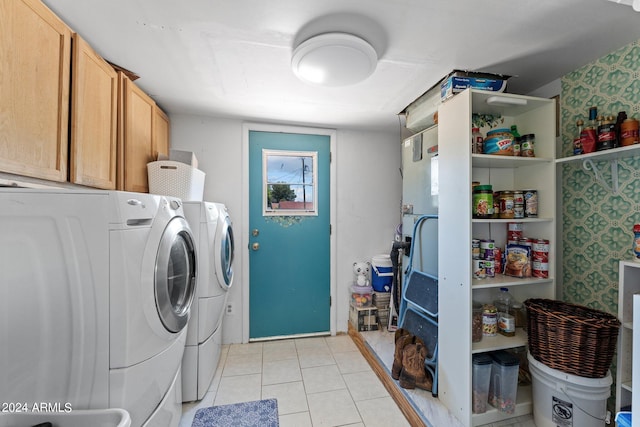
x=540, y=257
x=514, y=232
x=497, y=253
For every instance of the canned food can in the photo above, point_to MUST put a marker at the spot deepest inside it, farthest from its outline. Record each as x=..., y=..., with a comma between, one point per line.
x=478, y=269
x=489, y=268
x=489, y=321
x=518, y=204
x=514, y=231
x=497, y=262
x=475, y=248
x=540, y=258
x=530, y=203
x=486, y=249
x=526, y=241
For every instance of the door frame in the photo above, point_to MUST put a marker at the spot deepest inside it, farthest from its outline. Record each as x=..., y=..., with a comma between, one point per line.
x=245, y=279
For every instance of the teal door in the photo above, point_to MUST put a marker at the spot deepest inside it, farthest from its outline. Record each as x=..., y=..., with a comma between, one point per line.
x=289, y=234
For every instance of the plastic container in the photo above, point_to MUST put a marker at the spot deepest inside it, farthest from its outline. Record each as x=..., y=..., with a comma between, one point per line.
x=112, y=417
x=361, y=296
x=476, y=322
x=499, y=142
x=177, y=179
x=481, y=377
x=503, y=300
x=381, y=273
x=623, y=419
x=566, y=399
x=503, y=387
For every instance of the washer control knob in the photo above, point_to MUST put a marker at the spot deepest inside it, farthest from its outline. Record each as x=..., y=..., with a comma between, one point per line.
x=174, y=204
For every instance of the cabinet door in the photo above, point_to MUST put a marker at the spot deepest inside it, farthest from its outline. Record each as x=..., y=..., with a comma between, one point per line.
x=136, y=144
x=160, y=133
x=34, y=90
x=93, y=118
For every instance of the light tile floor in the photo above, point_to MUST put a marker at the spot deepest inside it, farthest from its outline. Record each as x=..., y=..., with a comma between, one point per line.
x=323, y=381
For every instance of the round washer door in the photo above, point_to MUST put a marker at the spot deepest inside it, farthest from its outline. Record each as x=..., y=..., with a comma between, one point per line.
x=175, y=275
x=224, y=249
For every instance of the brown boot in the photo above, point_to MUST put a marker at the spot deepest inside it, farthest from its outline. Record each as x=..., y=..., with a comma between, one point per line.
x=400, y=332
x=401, y=344
x=413, y=372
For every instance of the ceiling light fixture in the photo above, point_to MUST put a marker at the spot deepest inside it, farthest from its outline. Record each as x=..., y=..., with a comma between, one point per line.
x=635, y=4
x=334, y=59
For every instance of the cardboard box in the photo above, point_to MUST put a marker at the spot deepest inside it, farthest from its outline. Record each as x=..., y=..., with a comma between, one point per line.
x=422, y=112
x=186, y=157
x=459, y=80
x=363, y=318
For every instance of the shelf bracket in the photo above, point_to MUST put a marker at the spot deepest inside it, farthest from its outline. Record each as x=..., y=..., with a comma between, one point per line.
x=588, y=165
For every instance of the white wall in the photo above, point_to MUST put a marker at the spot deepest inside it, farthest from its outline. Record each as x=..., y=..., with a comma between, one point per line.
x=369, y=191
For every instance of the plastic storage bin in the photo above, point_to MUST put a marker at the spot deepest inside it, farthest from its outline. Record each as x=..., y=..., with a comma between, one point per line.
x=361, y=296
x=503, y=387
x=623, y=419
x=481, y=378
x=169, y=178
x=112, y=417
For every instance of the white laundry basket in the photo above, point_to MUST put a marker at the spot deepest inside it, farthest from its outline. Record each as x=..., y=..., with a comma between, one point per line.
x=169, y=178
x=567, y=400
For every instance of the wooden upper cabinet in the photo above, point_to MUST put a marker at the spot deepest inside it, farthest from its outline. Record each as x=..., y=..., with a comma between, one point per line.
x=35, y=55
x=94, y=96
x=160, y=133
x=135, y=145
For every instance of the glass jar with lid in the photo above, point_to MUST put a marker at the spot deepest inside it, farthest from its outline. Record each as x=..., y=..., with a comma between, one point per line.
x=507, y=201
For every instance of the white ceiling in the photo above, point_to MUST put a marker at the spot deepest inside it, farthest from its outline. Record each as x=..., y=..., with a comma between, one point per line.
x=231, y=58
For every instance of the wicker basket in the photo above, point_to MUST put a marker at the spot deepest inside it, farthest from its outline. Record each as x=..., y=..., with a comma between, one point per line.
x=571, y=338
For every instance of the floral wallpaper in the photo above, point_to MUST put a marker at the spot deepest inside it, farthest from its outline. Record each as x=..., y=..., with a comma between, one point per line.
x=597, y=224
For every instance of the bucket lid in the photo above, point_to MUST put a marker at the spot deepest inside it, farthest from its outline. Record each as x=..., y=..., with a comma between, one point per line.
x=381, y=260
x=482, y=359
x=570, y=378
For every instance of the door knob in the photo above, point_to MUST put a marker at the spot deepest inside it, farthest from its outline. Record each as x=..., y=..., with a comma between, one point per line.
x=255, y=246
x=255, y=232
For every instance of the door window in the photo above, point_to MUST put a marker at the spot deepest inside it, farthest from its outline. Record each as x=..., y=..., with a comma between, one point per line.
x=289, y=183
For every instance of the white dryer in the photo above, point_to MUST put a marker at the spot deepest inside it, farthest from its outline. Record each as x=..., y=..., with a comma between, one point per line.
x=213, y=234
x=95, y=298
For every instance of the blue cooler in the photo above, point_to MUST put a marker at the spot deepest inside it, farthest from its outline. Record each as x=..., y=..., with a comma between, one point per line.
x=381, y=273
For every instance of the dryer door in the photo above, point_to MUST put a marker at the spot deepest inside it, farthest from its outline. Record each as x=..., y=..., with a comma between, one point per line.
x=224, y=249
x=175, y=275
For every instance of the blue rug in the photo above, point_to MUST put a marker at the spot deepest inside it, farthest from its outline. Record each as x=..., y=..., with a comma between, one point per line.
x=260, y=413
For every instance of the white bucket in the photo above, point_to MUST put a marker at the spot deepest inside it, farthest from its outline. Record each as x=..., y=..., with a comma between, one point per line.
x=566, y=400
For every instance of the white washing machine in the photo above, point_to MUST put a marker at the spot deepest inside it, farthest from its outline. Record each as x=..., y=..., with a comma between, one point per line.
x=95, y=294
x=213, y=234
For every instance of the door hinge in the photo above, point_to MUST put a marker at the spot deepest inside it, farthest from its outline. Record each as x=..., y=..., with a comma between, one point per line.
x=330, y=156
x=330, y=301
x=330, y=230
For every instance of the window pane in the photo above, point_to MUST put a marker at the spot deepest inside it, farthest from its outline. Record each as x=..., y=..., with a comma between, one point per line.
x=289, y=182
